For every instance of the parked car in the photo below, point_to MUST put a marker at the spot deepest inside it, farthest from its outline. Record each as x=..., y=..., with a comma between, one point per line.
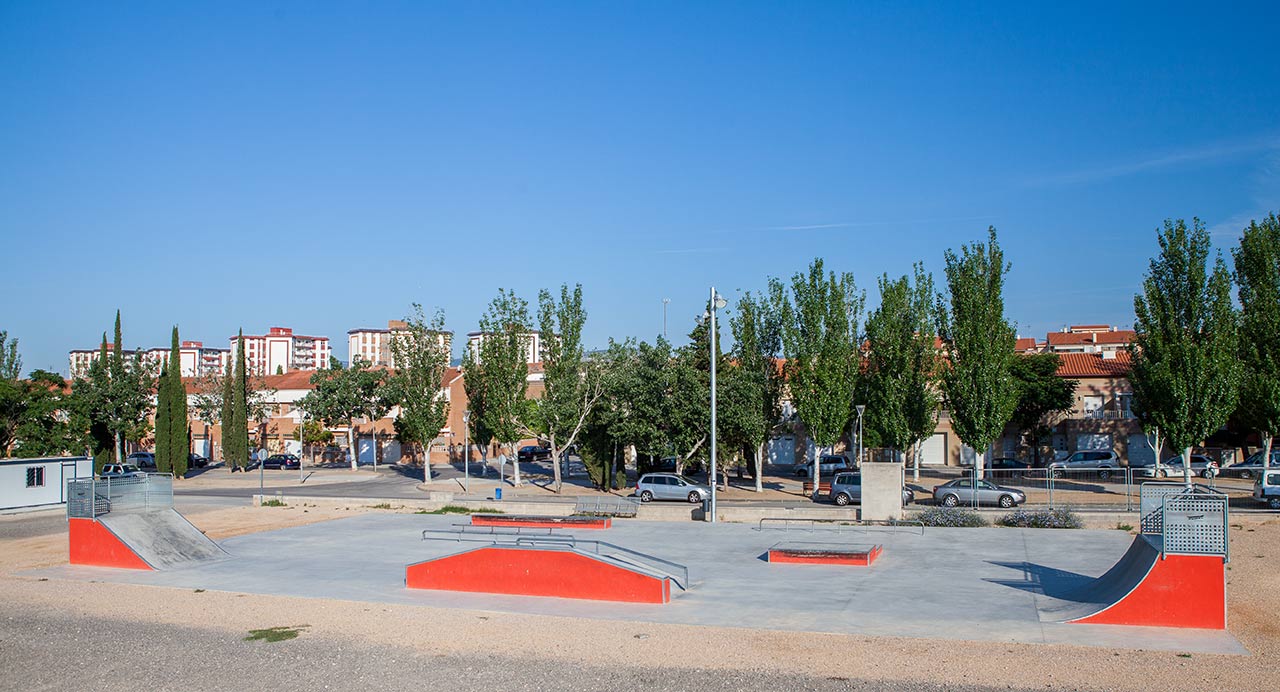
x=532, y=453
x=195, y=461
x=1102, y=461
x=668, y=465
x=847, y=487
x=964, y=490
x=669, y=486
x=120, y=471
x=1201, y=466
x=143, y=460
x=1006, y=467
x=1251, y=466
x=828, y=464
x=1267, y=490
x=278, y=461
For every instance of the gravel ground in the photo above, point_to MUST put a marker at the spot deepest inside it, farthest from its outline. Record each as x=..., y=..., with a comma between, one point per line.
x=91, y=635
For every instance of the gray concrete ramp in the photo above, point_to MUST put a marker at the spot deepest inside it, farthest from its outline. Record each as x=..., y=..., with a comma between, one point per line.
x=1107, y=590
x=163, y=538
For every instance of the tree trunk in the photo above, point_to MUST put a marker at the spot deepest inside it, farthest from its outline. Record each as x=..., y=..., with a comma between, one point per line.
x=117, y=445
x=515, y=463
x=555, y=464
x=1266, y=454
x=1186, y=467
x=351, y=444
x=426, y=461
x=979, y=466
x=917, y=453
x=760, y=468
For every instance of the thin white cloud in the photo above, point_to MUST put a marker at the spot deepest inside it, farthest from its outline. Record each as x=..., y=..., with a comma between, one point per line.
x=1220, y=151
x=1265, y=185
x=864, y=224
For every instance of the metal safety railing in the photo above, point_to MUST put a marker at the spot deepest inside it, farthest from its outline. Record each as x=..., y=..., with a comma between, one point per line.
x=838, y=525
x=525, y=538
x=1110, y=488
x=608, y=505
x=1191, y=520
x=88, y=498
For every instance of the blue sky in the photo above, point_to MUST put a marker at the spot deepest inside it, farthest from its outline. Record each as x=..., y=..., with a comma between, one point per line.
x=323, y=165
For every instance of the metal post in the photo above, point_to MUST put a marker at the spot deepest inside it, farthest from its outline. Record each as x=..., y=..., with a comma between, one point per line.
x=302, y=446
x=664, y=316
x=466, y=452
x=713, y=404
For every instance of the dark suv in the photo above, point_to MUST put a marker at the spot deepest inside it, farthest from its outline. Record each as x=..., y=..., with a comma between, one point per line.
x=533, y=453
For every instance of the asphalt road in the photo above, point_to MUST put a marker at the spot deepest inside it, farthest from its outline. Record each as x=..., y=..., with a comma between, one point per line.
x=42, y=650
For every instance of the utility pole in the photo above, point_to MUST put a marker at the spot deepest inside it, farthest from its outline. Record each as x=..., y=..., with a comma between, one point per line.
x=664, y=316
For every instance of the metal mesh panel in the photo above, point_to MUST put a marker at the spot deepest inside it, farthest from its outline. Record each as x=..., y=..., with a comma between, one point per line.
x=1151, y=504
x=91, y=497
x=1195, y=524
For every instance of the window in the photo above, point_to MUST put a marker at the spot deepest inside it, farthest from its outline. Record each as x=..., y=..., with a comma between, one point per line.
x=35, y=477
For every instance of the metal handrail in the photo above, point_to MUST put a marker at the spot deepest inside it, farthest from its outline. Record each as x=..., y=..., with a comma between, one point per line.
x=864, y=524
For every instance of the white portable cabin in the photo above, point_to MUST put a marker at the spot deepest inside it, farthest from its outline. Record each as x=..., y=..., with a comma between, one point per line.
x=37, y=482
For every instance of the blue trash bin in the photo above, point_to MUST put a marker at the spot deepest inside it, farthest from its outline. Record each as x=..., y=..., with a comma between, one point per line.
x=497, y=493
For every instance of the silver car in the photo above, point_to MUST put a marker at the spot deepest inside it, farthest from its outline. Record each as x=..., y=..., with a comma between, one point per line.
x=965, y=490
x=669, y=486
x=1104, y=462
x=1201, y=466
x=847, y=487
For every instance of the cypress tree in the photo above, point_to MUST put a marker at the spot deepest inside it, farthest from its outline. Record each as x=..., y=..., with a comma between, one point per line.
x=239, y=407
x=164, y=463
x=224, y=417
x=179, y=439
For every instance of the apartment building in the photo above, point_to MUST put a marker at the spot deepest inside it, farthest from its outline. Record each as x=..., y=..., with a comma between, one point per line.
x=282, y=351
x=374, y=345
x=533, y=345
x=197, y=360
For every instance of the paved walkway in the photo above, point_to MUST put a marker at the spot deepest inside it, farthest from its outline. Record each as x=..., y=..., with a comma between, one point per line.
x=959, y=584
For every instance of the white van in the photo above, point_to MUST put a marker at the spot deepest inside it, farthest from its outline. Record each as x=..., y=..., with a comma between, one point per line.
x=1267, y=490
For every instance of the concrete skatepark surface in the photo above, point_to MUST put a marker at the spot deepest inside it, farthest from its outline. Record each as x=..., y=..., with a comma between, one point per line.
x=958, y=584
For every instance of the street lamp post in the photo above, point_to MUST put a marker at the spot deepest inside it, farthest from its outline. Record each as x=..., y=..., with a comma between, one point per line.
x=861, y=408
x=466, y=452
x=716, y=303
x=664, y=316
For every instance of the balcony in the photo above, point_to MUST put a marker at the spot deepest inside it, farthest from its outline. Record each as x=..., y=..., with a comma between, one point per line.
x=1106, y=414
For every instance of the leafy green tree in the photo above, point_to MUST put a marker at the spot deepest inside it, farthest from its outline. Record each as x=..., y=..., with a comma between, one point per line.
x=90, y=393
x=900, y=380
x=1257, y=264
x=310, y=434
x=45, y=426
x=12, y=394
x=341, y=396
x=617, y=418
x=754, y=386
x=497, y=371
x=573, y=383
x=1042, y=397
x=118, y=394
x=421, y=356
x=820, y=320
x=980, y=389
x=1186, y=368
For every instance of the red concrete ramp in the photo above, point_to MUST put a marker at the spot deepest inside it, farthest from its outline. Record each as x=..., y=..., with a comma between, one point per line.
x=1148, y=589
x=558, y=572
x=157, y=539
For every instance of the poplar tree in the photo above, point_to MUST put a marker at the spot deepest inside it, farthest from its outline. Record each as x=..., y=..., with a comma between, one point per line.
x=980, y=389
x=1186, y=370
x=820, y=318
x=1257, y=264
x=497, y=370
x=421, y=355
x=756, y=382
x=237, y=452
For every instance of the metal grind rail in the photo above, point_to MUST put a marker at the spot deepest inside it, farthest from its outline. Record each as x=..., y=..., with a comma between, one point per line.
x=838, y=525
x=654, y=566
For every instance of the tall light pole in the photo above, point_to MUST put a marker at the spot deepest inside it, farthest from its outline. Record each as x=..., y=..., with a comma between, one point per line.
x=861, y=408
x=664, y=316
x=716, y=303
x=466, y=452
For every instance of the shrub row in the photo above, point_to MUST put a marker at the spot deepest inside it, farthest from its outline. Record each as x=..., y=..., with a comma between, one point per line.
x=1042, y=519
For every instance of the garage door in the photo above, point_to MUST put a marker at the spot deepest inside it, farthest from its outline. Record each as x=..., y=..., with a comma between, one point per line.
x=933, y=451
x=1094, y=441
x=782, y=450
x=1140, y=453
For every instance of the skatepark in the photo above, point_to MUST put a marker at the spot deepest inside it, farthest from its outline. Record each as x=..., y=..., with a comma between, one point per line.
x=1004, y=585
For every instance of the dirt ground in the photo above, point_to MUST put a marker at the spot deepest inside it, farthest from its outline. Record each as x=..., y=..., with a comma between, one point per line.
x=1253, y=587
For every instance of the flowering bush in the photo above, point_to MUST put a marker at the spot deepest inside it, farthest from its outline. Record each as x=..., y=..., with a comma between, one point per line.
x=950, y=517
x=1042, y=519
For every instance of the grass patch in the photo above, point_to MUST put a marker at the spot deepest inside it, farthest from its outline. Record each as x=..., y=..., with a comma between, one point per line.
x=1124, y=527
x=275, y=634
x=384, y=505
x=273, y=503
x=458, y=509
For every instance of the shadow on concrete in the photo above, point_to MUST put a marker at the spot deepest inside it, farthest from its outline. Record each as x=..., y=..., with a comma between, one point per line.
x=1039, y=579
